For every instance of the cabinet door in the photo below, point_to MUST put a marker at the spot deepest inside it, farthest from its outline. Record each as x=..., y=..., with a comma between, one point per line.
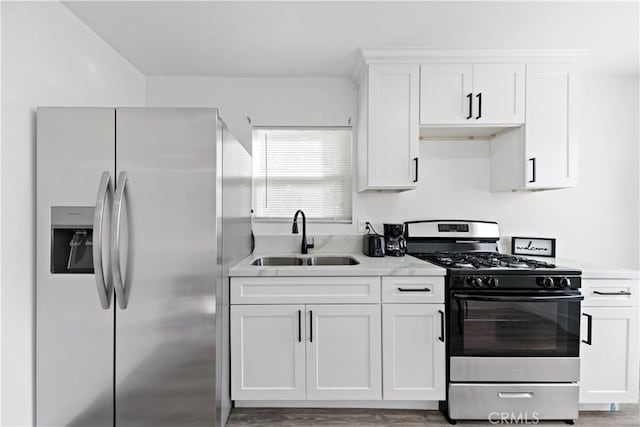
x=498, y=93
x=392, y=135
x=343, y=352
x=445, y=93
x=550, y=146
x=609, y=366
x=413, y=351
x=267, y=352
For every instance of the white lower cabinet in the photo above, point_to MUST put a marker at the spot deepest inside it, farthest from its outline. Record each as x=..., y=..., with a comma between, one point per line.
x=610, y=363
x=267, y=352
x=330, y=339
x=413, y=351
x=298, y=352
x=343, y=352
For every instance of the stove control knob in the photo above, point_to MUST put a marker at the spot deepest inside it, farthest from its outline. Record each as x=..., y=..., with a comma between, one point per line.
x=492, y=282
x=564, y=283
x=474, y=282
x=545, y=282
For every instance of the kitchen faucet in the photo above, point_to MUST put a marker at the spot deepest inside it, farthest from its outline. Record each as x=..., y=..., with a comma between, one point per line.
x=305, y=246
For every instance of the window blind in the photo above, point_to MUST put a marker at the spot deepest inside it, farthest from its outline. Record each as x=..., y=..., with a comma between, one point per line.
x=302, y=168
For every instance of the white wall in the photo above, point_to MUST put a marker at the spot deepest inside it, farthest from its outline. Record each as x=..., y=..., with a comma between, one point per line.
x=597, y=222
x=319, y=101
x=49, y=57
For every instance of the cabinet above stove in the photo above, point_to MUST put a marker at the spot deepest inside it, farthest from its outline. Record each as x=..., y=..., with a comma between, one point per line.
x=523, y=101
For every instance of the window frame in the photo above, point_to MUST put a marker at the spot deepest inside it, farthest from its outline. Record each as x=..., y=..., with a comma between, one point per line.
x=263, y=219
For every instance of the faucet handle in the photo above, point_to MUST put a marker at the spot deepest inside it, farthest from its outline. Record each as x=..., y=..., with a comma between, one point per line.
x=312, y=244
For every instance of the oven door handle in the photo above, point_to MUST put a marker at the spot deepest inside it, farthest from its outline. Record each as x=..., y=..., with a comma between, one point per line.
x=470, y=297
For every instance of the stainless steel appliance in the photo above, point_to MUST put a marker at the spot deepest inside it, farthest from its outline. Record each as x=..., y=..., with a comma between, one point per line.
x=513, y=334
x=132, y=273
x=395, y=244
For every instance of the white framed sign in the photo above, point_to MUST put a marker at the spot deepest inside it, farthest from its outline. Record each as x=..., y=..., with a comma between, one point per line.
x=534, y=246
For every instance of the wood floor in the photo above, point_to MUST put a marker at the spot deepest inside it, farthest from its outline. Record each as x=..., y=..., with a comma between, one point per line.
x=627, y=416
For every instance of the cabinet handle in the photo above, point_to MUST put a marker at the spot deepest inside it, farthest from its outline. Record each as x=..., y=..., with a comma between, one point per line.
x=479, y=96
x=612, y=293
x=415, y=159
x=299, y=325
x=533, y=169
x=414, y=289
x=441, y=337
x=310, y=326
x=470, y=96
x=589, y=323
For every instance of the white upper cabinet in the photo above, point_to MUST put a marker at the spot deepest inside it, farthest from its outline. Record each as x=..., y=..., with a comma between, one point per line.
x=543, y=153
x=549, y=136
x=523, y=101
x=472, y=94
x=498, y=92
x=445, y=93
x=388, y=127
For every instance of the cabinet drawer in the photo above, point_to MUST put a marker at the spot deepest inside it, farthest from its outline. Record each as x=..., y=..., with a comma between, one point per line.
x=611, y=293
x=413, y=289
x=304, y=290
x=529, y=401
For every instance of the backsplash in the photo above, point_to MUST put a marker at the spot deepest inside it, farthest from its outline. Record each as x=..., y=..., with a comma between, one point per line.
x=334, y=244
x=281, y=244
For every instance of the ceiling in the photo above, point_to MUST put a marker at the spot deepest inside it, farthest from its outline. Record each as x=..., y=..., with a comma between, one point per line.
x=322, y=38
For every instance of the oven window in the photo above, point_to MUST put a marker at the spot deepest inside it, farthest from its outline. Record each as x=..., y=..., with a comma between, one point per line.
x=508, y=329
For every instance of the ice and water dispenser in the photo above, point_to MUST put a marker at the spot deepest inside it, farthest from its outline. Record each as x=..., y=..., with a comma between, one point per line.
x=72, y=239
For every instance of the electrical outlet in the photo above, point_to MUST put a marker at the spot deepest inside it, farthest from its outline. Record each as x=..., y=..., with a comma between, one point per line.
x=362, y=226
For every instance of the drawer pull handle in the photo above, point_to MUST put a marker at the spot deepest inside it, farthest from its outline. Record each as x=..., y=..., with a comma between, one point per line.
x=612, y=293
x=414, y=289
x=515, y=394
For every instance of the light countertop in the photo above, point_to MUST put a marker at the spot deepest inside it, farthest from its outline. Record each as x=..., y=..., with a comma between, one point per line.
x=368, y=266
x=599, y=271
x=348, y=245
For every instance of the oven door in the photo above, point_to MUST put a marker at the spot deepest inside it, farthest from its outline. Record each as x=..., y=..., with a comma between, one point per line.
x=514, y=324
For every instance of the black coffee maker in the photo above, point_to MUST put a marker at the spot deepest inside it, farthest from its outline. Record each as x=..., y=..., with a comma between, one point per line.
x=395, y=244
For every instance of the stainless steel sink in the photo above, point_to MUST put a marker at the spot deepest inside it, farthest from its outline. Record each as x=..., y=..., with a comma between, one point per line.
x=277, y=261
x=332, y=260
x=282, y=261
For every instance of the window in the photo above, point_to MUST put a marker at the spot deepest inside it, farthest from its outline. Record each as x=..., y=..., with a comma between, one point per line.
x=302, y=168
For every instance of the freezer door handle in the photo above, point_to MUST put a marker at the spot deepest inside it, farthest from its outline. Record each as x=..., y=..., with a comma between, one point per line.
x=105, y=288
x=115, y=240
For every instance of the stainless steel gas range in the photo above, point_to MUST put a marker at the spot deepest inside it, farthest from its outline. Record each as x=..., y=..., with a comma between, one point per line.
x=513, y=334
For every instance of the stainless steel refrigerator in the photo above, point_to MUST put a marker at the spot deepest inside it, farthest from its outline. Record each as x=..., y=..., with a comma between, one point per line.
x=140, y=214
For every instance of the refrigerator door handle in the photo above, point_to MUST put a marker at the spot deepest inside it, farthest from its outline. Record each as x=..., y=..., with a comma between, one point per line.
x=115, y=240
x=104, y=288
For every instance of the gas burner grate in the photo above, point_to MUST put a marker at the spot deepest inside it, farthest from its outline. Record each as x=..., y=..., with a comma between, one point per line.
x=480, y=260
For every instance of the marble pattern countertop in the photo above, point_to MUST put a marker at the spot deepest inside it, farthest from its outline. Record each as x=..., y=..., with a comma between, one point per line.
x=351, y=245
x=368, y=266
